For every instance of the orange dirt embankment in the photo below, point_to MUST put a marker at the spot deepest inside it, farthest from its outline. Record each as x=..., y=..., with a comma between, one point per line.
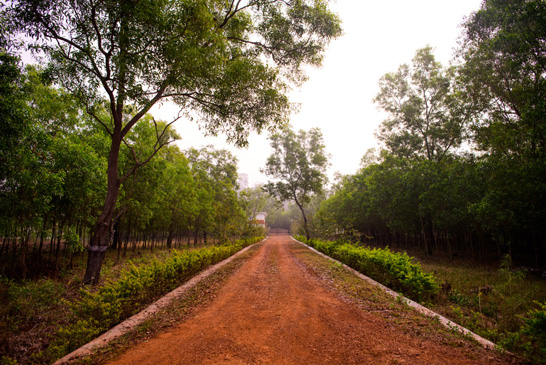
x=274, y=311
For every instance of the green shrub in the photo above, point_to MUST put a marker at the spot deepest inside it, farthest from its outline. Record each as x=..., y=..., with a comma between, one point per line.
x=97, y=311
x=394, y=270
x=530, y=339
x=29, y=299
x=72, y=337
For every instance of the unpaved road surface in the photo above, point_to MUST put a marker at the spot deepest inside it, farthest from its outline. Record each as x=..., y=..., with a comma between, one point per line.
x=274, y=311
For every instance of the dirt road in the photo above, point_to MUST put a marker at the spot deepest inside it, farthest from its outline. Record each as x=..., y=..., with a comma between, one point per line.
x=275, y=311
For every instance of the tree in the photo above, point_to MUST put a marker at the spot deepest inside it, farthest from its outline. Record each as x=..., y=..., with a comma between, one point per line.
x=504, y=76
x=253, y=200
x=504, y=73
x=215, y=172
x=49, y=172
x=426, y=119
x=298, y=163
x=13, y=111
x=228, y=61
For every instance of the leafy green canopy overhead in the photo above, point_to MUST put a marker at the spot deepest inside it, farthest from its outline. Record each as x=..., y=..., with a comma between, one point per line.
x=229, y=61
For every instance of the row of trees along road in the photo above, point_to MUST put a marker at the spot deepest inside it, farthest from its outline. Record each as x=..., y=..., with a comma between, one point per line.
x=463, y=164
x=53, y=172
x=228, y=62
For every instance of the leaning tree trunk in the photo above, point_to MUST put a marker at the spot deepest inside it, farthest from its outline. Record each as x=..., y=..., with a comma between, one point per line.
x=305, y=226
x=101, y=230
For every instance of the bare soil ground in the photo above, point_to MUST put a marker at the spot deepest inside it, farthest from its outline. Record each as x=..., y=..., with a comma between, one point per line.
x=279, y=308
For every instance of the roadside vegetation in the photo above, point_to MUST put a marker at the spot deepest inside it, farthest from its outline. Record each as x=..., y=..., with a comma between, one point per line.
x=503, y=305
x=392, y=269
x=375, y=301
x=47, y=319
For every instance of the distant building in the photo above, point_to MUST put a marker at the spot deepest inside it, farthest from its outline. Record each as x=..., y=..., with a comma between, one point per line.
x=260, y=219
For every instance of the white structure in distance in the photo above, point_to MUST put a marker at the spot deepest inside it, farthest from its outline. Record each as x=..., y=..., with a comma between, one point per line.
x=260, y=219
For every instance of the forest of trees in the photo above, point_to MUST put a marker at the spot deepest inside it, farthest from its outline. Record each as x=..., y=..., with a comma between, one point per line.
x=53, y=173
x=461, y=171
x=88, y=172
x=462, y=168
x=82, y=162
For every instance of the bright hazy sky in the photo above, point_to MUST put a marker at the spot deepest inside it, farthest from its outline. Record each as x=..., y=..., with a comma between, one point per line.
x=379, y=36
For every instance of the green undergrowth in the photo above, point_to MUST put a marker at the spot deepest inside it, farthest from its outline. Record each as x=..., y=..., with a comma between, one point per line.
x=93, y=311
x=504, y=305
x=394, y=270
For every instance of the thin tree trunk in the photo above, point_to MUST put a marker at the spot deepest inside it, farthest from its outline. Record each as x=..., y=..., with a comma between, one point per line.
x=4, y=240
x=24, y=247
x=196, y=234
x=170, y=238
x=305, y=227
x=474, y=259
x=58, y=248
x=53, y=236
x=41, y=245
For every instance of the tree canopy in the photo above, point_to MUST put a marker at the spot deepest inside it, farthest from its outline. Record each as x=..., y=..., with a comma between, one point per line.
x=425, y=118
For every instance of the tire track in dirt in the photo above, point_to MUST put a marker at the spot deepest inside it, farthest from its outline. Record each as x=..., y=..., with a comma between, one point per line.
x=273, y=311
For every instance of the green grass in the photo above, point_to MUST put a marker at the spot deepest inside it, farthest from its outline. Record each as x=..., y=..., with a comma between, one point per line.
x=496, y=303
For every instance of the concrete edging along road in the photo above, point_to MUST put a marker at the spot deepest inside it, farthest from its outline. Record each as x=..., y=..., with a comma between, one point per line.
x=130, y=323
x=423, y=310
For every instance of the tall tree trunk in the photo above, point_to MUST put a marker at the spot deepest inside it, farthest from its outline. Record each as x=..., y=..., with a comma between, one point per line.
x=305, y=227
x=4, y=240
x=52, y=240
x=195, y=237
x=116, y=235
x=58, y=248
x=42, y=234
x=101, y=230
x=170, y=237
x=426, y=231
x=25, y=236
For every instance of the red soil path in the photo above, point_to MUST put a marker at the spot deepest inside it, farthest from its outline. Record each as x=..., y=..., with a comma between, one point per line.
x=273, y=311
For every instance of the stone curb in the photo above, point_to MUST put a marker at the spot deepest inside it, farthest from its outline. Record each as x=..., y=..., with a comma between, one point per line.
x=423, y=310
x=130, y=323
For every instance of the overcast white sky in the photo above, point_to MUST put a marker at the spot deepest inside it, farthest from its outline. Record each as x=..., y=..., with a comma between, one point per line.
x=378, y=37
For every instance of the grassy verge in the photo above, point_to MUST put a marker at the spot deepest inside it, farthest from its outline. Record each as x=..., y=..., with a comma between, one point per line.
x=397, y=313
x=45, y=319
x=503, y=305
x=499, y=304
